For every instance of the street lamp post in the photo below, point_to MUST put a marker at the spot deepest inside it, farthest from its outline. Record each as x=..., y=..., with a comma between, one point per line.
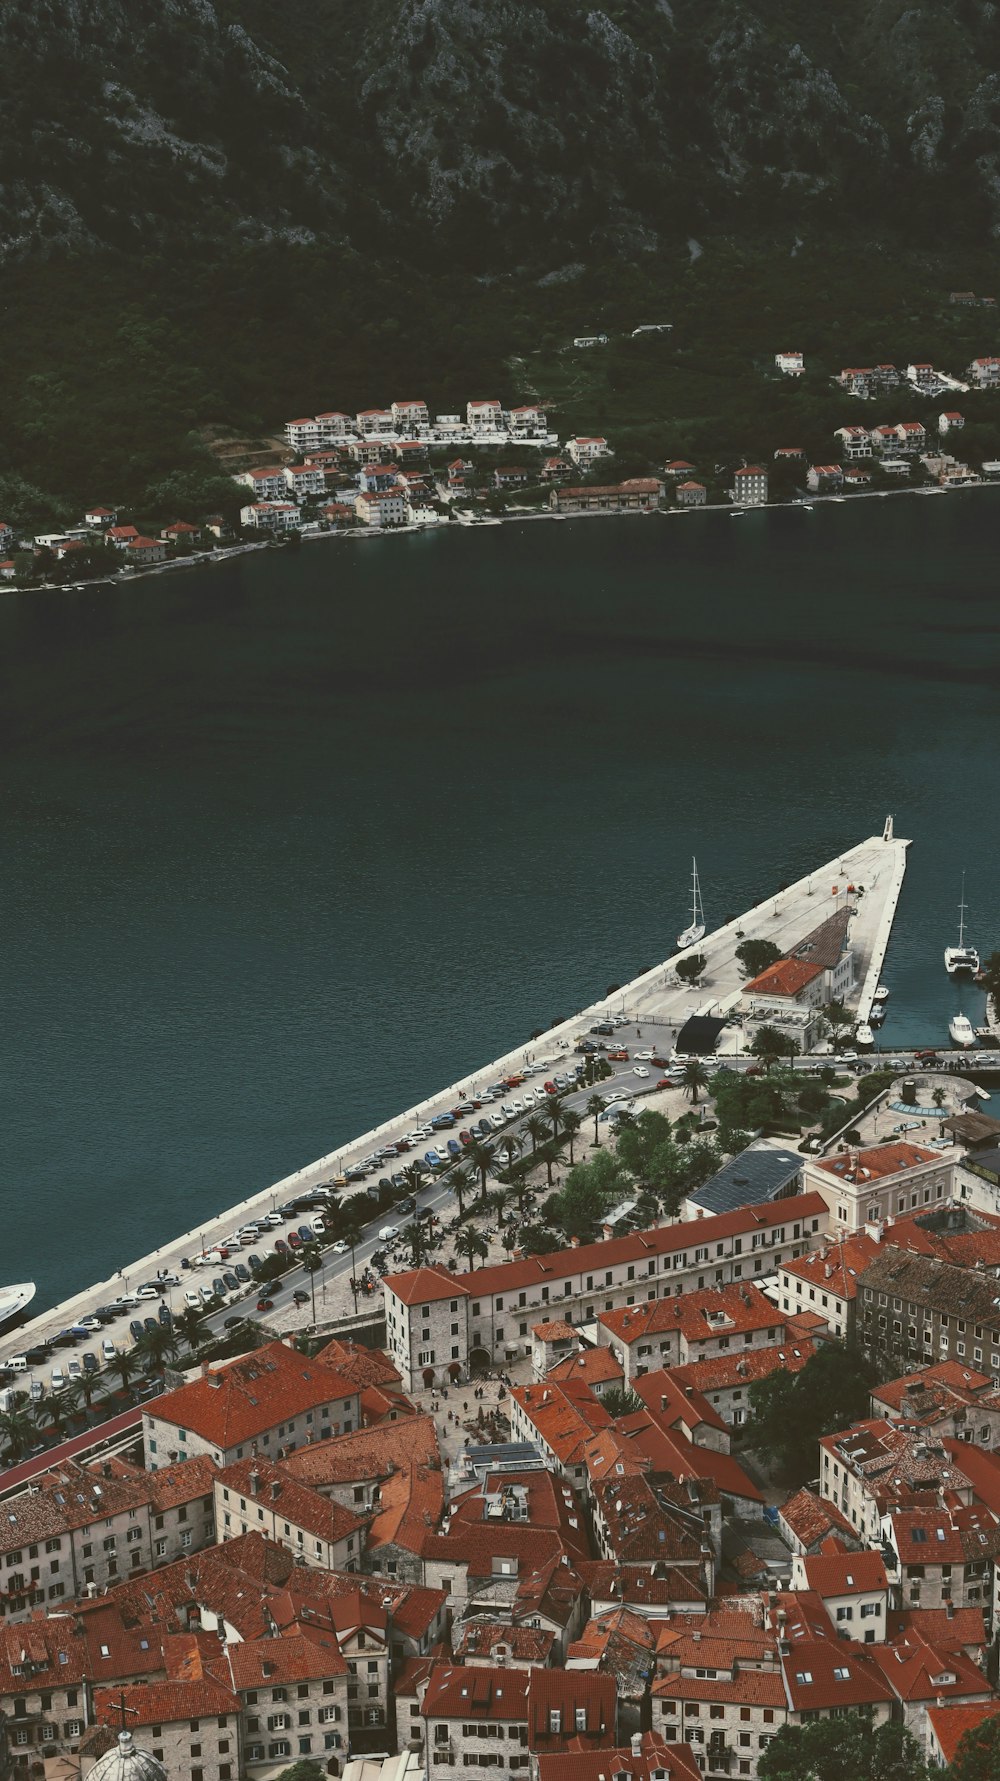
x=354, y=1278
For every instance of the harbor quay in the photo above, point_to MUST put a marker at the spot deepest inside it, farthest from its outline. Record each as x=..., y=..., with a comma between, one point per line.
x=865, y=880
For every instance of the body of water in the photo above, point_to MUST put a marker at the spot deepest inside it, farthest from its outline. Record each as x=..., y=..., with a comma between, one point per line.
x=290, y=842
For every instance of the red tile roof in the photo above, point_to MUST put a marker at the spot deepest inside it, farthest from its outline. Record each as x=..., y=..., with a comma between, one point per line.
x=640, y=1585
x=570, y=1693
x=239, y=1401
x=845, y=1573
x=675, y=1761
x=372, y=1453
x=422, y=1286
x=454, y=1692
x=950, y=1724
x=595, y=1366
x=917, y=1670
x=786, y=977
x=164, y=1703
x=859, y=1166
x=725, y=1372
x=835, y=1266
x=286, y=1497
x=270, y=1663
x=527, y=1644
x=811, y=1518
x=564, y=1415
x=698, y=1316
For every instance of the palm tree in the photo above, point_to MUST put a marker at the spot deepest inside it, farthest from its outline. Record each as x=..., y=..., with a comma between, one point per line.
x=16, y=1428
x=595, y=1107
x=311, y=1257
x=414, y=1179
x=938, y=1097
x=461, y=1182
x=52, y=1409
x=189, y=1324
x=413, y=1235
x=471, y=1243
x=155, y=1345
x=537, y=1130
x=498, y=1201
x=88, y=1385
x=481, y=1160
x=554, y=1109
x=72, y=1397
x=695, y=1077
x=124, y=1366
x=572, y=1123
x=511, y=1237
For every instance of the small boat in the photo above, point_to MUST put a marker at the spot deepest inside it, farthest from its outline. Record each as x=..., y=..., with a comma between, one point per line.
x=961, y=957
x=962, y=1031
x=864, y=1035
x=881, y=994
x=14, y=1299
x=877, y=1015
x=696, y=931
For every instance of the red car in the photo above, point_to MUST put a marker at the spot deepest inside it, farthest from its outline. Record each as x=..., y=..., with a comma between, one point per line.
x=662, y=1063
x=550, y=1088
x=403, y=1144
x=281, y=1246
x=265, y=1304
x=514, y=1081
x=294, y=1240
x=465, y=1137
x=621, y=1057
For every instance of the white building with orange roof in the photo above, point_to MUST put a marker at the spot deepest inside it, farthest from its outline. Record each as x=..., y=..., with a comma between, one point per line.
x=887, y=1180
x=788, y=983
x=268, y=1402
x=724, y=1380
x=826, y=1282
x=946, y=1726
x=375, y=422
x=852, y=1586
x=410, y=416
x=949, y=1398
x=585, y=450
x=600, y=1370
x=693, y=1326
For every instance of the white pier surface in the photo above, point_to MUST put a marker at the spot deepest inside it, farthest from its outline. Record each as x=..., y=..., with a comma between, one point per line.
x=787, y=917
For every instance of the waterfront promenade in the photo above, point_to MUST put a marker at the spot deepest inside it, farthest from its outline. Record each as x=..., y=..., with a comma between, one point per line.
x=657, y=998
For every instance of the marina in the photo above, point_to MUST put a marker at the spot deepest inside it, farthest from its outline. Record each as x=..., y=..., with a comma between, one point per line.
x=863, y=884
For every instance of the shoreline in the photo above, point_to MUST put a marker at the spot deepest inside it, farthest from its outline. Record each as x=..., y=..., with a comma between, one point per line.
x=353, y=534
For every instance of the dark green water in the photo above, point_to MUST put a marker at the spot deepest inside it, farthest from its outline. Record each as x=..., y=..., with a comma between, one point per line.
x=290, y=842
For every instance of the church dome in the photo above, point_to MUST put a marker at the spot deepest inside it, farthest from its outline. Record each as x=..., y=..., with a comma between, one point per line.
x=126, y=1763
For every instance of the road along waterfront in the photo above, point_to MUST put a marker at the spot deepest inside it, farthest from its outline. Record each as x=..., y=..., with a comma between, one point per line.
x=657, y=998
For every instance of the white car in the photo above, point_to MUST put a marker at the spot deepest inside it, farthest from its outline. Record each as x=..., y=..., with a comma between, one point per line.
x=643, y=1056
x=388, y=1233
x=271, y=1221
x=518, y=1107
x=640, y=1070
x=90, y=1323
x=207, y=1295
x=497, y=1121
x=340, y=1248
x=57, y=1379
x=619, y=1095
x=192, y=1300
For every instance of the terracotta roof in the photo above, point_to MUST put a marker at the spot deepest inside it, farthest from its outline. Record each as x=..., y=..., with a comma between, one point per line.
x=751, y=1688
x=786, y=977
x=558, y=1330
x=830, y=1672
x=528, y=1548
x=963, y=1627
x=411, y=1503
x=239, y=1401
x=455, y=1692
x=675, y=1761
x=859, y=1166
x=950, y=1724
x=164, y=1703
x=372, y=1453
x=917, y=1670
x=811, y=1518
x=639, y=1246
x=639, y=1527
x=640, y=1585
x=845, y=1573
x=836, y=1266
x=426, y=1285
x=571, y=1693
x=725, y=1372
x=546, y=1501
x=171, y=1485
x=260, y=1663
x=564, y=1415
x=363, y=1366
x=526, y=1644
x=595, y=1366
x=698, y=1316
x=670, y=1451
x=286, y=1497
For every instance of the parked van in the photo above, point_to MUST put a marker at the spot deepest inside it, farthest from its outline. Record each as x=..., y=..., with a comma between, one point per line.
x=18, y=1363
x=7, y=1396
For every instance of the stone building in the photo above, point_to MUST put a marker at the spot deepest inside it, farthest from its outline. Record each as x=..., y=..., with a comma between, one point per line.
x=269, y=1402
x=868, y=1186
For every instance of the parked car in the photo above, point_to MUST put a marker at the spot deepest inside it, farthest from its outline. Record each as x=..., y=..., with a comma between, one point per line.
x=388, y=1233
x=242, y=1274
x=294, y=1240
x=91, y=1364
x=432, y=1159
x=265, y=1304
x=454, y=1147
x=281, y=1246
x=618, y=1057
x=192, y=1300
x=254, y=1263
x=232, y=1323
x=135, y=1330
x=165, y=1316
x=300, y=1297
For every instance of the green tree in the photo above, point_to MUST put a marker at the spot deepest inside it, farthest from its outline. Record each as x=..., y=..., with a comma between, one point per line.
x=124, y=1365
x=555, y=1114
x=155, y=1345
x=689, y=969
x=471, y=1243
x=539, y=1239
x=621, y=1401
x=311, y=1257
x=938, y=1097
x=305, y=1770
x=460, y=1182
x=413, y=1236
x=769, y=1045
x=189, y=1325
x=414, y=1179
x=978, y=1755
x=695, y=1078
x=756, y=955
x=642, y=1144
x=837, y=1016
x=591, y=1189
x=537, y=1130
x=52, y=1410
x=831, y=1749
x=595, y=1107
x=17, y=1429
x=790, y=1411
x=479, y=1159
x=572, y=1122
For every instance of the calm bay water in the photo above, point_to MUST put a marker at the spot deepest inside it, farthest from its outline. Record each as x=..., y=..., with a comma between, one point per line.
x=290, y=842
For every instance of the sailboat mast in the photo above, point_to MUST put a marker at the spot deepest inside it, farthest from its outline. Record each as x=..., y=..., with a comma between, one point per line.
x=961, y=914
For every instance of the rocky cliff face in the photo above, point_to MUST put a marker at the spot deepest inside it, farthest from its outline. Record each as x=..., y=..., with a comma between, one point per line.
x=496, y=130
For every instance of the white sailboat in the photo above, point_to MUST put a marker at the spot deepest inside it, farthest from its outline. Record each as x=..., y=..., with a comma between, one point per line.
x=961, y=957
x=962, y=1031
x=696, y=931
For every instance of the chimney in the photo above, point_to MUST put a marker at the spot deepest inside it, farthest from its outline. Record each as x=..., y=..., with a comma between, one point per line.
x=636, y=1745
x=254, y=1481
x=206, y=1371
x=574, y=1242
x=275, y=1490
x=949, y=1609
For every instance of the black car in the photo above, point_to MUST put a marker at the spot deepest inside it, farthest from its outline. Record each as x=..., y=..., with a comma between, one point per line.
x=300, y=1297
x=105, y=1313
x=399, y=1179
x=218, y=1287
x=231, y=1283
x=242, y=1273
x=151, y=1323
x=232, y=1323
x=136, y=1330
x=254, y=1263
x=165, y=1316
x=407, y=1205
x=35, y=1356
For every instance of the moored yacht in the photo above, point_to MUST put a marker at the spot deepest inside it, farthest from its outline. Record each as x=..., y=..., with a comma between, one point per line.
x=961, y=957
x=881, y=994
x=863, y=1034
x=14, y=1299
x=962, y=1031
x=696, y=931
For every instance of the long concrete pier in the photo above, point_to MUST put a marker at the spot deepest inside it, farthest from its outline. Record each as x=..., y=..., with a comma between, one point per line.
x=659, y=997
